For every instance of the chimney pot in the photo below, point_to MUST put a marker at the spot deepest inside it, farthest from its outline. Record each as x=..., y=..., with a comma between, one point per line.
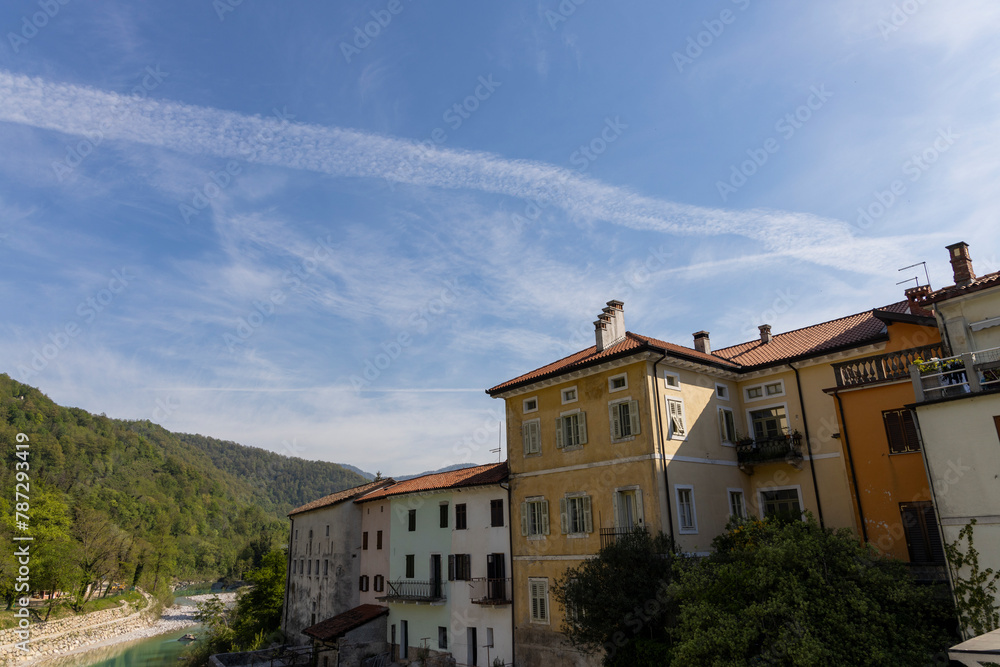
x=701, y=342
x=765, y=333
x=914, y=295
x=610, y=325
x=961, y=263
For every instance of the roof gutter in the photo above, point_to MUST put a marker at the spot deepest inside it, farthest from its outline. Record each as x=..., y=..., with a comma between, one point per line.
x=662, y=446
x=812, y=463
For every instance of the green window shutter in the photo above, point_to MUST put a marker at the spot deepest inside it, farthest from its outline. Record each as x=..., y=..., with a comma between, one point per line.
x=545, y=517
x=526, y=438
x=559, y=433
x=563, y=517
x=722, y=425
x=633, y=414
x=582, y=421
x=616, y=429
x=588, y=522
x=524, y=518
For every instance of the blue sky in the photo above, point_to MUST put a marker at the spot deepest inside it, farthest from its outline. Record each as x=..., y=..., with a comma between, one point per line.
x=325, y=228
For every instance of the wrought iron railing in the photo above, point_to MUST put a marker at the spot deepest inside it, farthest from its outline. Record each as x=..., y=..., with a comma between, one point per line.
x=611, y=535
x=882, y=367
x=971, y=372
x=787, y=447
x=490, y=590
x=410, y=590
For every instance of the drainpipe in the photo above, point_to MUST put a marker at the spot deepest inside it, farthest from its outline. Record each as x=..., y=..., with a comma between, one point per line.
x=662, y=445
x=850, y=459
x=510, y=541
x=812, y=464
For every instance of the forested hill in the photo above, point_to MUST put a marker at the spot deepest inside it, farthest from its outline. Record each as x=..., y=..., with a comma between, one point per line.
x=189, y=503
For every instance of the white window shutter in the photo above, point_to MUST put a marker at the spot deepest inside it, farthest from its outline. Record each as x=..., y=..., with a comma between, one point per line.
x=614, y=508
x=559, y=433
x=616, y=429
x=526, y=437
x=563, y=518
x=524, y=518
x=633, y=413
x=638, y=507
x=545, y=517
x=588, y=521
x=583, y=428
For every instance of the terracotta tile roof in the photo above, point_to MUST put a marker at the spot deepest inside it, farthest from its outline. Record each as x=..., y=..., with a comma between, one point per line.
x=493, y=473
x=341, y=496
x=952, y=291
x=341, y=624
x=843, y=332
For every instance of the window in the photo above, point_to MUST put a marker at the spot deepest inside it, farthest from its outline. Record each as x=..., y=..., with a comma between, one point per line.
x=317, y=567
x=442, y=637
x=575, y=515
x=737, y=506
x=294, y=569
x=328, y=530
x=774, y=389
x=310, y=568
x=687, y=519
x=489, y=637
x=727, y=425
x=923, y=542
x=538, y=594
x=409, y=565
x=571, y=430
x=363, y=583
x=302, y=566
x=768, y=423
x=900, y=431
x=768, y=389
x=672, y=380
x=624, y=416
x=722, y=392
x=530, y=404
x=459, y=567
x=310, y=534
x=296, y=533
x=378, y=540
x=461, y=517
x=496, y=513
x=444, y=515
x=676, y=427
x=618, y=382
x=535, y=517
x=627, y=506
x=569, y=395
x=412, y=520
x=379, y=583
x=531, y=436
x=364, y=541
x=326, y=567
x=781, y=503
x=755, y=392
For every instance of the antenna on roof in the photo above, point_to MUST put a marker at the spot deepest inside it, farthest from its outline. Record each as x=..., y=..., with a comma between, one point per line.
x=926, y=275
x=916, y=281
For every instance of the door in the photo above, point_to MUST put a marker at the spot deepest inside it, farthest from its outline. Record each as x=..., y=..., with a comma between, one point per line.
x=436, y=575
x=404, y=640
x=470, y=635
x=392, y=644
x=495, y=575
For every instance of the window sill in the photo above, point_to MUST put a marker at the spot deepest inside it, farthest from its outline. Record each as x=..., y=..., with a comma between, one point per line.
x=577, y=536
x=628, y=438
x=689, y=531
x=532, y=455
x=536, y=537
x=915, y=451
x=572, y=448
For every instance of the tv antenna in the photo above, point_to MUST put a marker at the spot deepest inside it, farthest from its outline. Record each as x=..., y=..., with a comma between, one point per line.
x=915, y=279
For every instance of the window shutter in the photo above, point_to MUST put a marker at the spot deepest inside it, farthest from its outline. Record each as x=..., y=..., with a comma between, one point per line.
x=563, y=518
x=583, y=428
x=934, y=547
x=722, y=425
x=524, y=518
x=614, y=508
x=894, y=431
x=559, y=433
x=468, y=566
x=633, y=414
x=910, y=432
x=545, y=517
x=616, y=428
x=451, y=567
x=526, y=438
x=588, y=523
x=638, y=507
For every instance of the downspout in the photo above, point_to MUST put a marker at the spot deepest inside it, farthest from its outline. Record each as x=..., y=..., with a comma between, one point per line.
x=510, y=541
x=812, y=464
x=850, y=459
x=662, y=445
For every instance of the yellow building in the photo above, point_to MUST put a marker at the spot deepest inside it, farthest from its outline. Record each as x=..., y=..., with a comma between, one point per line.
x=636, y=431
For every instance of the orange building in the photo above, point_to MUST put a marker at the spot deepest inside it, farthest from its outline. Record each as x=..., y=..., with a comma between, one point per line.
x=891, y=494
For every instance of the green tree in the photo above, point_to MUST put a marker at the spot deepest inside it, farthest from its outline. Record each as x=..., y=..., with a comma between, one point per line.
x=790, y=593
x=258, y=610
x=619, y=600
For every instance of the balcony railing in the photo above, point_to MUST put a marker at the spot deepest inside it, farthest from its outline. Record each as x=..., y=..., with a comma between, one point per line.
x=972, y=372
x=783, y=447
x=611, y=535
x=408, y=590
x=490, y=591
x=882, y=367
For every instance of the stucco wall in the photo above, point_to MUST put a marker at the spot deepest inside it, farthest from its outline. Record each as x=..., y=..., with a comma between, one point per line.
x=375, y=516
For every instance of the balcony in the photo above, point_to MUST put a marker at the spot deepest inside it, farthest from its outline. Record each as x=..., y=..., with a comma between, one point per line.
x=611, y=535
x=408, y=590
x=785, y=447
x=882, y=367
x=968, y=373
x=489, y=591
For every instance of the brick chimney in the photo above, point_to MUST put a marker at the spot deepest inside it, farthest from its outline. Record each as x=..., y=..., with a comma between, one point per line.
x=765, y=333
x=961, y=263
x=914, y=295
x=609, y=328
x=701, y=342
